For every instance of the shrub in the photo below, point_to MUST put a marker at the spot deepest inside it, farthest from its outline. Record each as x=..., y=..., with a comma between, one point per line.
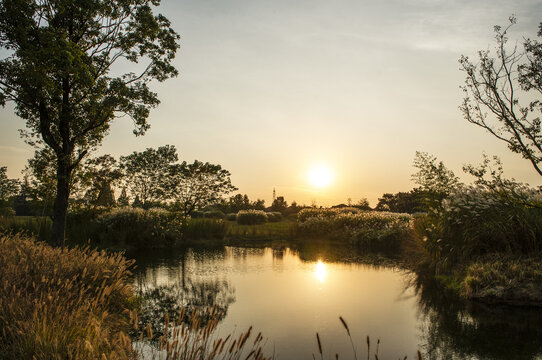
x=198, y=229
x=274, y=216
x=370, y=230
x=307, y=213
x=62, y=303
x=196, y=214
x=231, y=217
x=474, y=222
x=215, y=214
x=139, y=228
x=40, y=227
x=7, y=212
x=251, y=217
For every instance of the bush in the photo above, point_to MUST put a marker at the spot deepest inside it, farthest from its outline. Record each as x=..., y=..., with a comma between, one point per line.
x=140, y=228
x=251, y=217
x=196, y=214
x=215, y=214
x=474, y=222
x=231, y=217
x=7, y=212
x=40, y=227
x=62, y=303
x=199, y=229
x=274, y=216
x=370, y=230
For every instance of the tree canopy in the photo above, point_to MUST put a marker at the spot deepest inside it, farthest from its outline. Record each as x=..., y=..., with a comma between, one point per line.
x=65, y=73
x=508, y=85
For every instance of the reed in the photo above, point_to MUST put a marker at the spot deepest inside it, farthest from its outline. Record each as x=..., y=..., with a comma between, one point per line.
x=354, y=352
x=193, y=336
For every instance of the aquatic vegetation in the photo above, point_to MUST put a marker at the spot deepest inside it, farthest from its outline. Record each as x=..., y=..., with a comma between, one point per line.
x=251, y=217
x=371, y=230
x=474, y=221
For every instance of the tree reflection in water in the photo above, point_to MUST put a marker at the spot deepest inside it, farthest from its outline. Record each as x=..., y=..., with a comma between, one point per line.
x=452, y=329
x=211, y=297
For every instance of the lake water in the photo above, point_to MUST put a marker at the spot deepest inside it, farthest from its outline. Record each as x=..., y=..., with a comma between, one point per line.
x=290, y=294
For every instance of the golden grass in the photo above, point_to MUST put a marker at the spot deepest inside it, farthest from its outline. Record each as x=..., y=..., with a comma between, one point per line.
x=196, y=339
x=62, y=303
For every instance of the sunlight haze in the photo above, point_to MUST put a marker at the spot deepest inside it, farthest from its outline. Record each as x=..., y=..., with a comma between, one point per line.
x=268, y=88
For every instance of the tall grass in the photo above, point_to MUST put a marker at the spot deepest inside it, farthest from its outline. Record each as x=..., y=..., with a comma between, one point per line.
x=153, y=228
x=62, y=303
x=251, y=217
x=474, y=222
x=39, y=227
x=369, y=230
x=196, y=338
x=204, y=229
x=370, y=354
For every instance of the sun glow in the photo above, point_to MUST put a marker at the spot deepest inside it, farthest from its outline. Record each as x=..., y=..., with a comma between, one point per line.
x=320, y=176
x=320, y=271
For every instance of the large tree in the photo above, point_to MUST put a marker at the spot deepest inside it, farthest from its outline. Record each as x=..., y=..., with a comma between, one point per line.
x=502, y=94
x=197, y=185
x=146, y=173
x=66, y=74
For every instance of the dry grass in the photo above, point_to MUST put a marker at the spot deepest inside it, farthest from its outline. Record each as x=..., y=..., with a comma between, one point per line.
x=196, y=339
x=62, y=303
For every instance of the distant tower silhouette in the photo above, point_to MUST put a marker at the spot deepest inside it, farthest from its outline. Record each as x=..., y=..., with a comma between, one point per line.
x=274, y=195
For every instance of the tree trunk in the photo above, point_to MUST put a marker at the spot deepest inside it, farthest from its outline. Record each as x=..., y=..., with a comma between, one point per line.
x=61, y=204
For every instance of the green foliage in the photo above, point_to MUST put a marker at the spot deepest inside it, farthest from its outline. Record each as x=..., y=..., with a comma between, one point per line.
x=279, y=204
x=153, y=228
x=494, y=85
x=147, y=173
x=434, y=179
x=403, y=202
x=231, y=216
x=247, y=234
x=196, y=214
x=475, y=221
x=58, y=72
x=214, y=214
x=197, y=185
x=63, y=303
x=38, y=227
x=251, y=217
x=204, y=229
x=509, y=279
x=370, y=230
x=274, y=216
x=8, y=187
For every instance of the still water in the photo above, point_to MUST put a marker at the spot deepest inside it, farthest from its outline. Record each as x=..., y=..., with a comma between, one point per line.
x=290, y=294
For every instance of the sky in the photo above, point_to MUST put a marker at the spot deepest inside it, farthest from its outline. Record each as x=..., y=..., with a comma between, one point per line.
x=271, y=89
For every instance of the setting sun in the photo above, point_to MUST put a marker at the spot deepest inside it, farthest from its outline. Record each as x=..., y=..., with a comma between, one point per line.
x=320, y=176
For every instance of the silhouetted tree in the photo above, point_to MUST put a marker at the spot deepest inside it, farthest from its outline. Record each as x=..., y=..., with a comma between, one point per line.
x=123, y=198
x=58, y=74
x=495, y=84
x=102, y=173
x=147, y=173
x=279, y=204
x=8, y=187
x=402, y=202
x=197, y=185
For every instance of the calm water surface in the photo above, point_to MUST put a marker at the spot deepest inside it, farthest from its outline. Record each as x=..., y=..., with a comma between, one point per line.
x=290, y=295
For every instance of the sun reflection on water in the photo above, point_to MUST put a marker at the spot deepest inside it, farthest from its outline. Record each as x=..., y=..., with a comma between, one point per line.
x=320, y=271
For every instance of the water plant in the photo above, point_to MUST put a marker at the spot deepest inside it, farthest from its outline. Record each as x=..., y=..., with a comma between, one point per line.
x=251, y=217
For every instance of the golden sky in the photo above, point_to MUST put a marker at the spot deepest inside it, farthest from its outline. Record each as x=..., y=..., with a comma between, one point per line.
x=269, y=89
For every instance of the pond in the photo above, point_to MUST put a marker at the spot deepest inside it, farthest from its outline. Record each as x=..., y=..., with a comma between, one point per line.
x=290, y=294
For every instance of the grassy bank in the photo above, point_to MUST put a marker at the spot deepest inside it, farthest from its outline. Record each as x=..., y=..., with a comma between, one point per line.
x=372, y=231
x=62, y=303
x=77, y=304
